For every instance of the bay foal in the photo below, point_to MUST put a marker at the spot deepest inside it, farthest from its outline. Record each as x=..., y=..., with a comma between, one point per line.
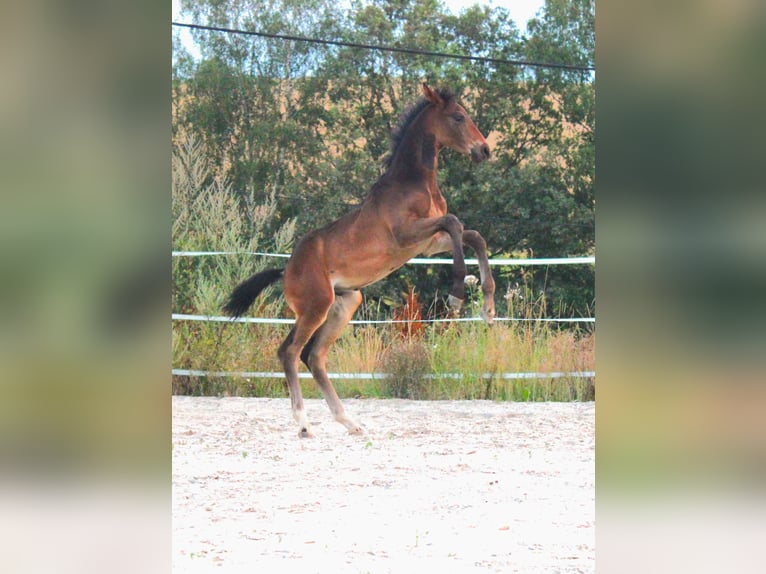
x=403, y=215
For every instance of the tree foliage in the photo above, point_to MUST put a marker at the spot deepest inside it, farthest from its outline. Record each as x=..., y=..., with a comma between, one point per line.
x=308, y=124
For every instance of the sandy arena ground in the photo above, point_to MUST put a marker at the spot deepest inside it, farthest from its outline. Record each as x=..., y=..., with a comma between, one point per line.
x=447, y=486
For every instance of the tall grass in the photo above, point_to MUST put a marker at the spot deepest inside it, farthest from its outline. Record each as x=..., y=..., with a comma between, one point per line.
x=440, y=361
x=461, y=361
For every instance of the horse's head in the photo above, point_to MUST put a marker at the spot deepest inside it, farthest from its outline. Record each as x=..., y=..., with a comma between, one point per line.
x=454, y=128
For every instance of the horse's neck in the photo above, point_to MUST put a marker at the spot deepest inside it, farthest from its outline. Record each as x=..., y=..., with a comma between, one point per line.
x=413, y=170
x=417, y=159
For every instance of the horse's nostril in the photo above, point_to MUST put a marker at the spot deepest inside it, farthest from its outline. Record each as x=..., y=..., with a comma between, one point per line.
x=485, y=151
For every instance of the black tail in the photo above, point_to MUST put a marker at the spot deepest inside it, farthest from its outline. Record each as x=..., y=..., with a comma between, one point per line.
x=245, y=293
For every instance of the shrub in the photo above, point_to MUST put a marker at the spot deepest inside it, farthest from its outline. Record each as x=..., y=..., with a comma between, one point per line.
x=406, y=362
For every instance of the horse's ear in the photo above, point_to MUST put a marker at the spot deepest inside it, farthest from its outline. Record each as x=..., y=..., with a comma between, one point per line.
x=431, y=95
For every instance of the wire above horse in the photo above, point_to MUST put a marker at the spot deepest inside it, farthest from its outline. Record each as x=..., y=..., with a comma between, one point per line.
x=403, y=215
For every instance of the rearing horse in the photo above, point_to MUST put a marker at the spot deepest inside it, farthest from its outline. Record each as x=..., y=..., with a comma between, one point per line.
x=403, y=215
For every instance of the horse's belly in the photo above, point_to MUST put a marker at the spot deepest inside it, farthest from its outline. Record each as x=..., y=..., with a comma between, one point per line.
x=370, y=269
x=362, y=275
x=366, y=264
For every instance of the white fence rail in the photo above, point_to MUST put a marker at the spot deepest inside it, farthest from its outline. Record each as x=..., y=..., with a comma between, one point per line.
x=417, y=260
x=363, y=376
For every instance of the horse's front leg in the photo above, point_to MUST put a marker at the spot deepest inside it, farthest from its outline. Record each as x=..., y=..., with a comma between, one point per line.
x=416, y=231
x=476, y=242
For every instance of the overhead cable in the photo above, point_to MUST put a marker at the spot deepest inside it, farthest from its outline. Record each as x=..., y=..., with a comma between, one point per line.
x=570, y=67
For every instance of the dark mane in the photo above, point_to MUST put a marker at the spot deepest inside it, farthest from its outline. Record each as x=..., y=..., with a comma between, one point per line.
x=409, y=115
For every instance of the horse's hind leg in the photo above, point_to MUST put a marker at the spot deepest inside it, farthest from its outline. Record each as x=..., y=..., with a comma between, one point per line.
x=315, y=352
x=305, y=326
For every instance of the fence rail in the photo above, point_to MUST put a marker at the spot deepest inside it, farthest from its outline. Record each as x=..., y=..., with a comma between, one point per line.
x=367, y=376
x=417, y=260
x=223, y=319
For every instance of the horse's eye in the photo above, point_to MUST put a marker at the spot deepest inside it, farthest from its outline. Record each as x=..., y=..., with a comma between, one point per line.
x=458, y=117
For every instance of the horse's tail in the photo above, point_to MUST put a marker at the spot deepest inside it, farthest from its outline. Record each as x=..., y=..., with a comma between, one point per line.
x=245, y=293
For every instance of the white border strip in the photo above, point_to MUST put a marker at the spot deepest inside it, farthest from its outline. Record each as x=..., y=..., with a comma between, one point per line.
x=417, y=260
x=357, y=376
x=219, y=319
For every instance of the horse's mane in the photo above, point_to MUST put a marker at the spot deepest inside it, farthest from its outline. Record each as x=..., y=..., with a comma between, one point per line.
x=409, y=115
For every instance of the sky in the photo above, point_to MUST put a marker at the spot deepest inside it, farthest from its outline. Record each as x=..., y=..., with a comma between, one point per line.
x=520, y=10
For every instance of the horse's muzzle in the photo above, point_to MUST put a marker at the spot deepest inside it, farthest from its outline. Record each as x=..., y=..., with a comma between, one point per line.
x=480, y=152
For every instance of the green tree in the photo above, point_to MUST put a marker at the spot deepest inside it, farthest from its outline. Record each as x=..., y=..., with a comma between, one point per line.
x=244, y=98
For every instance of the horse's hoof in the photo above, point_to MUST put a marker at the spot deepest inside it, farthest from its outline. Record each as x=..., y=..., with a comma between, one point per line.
x=305, y=433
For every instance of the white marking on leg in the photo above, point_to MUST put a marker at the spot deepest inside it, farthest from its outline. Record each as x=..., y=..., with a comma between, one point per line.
x=353, y=428
x=349, y=423
x=337, y=410
x=303, y=422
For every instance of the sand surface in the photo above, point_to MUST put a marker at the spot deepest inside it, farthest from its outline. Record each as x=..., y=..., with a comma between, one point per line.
x=445, y=486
